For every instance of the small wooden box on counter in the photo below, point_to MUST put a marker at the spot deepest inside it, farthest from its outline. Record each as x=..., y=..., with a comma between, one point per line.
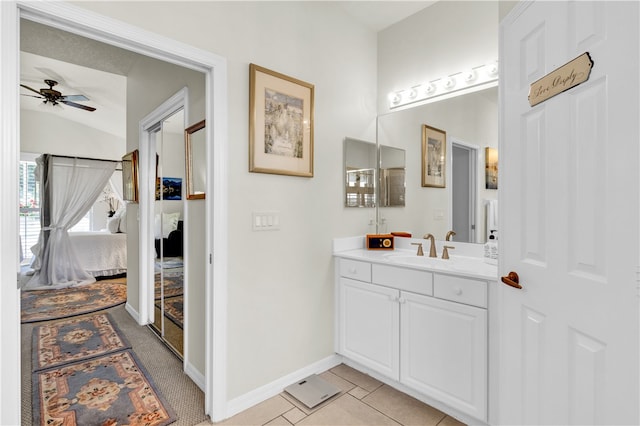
x=380, y=242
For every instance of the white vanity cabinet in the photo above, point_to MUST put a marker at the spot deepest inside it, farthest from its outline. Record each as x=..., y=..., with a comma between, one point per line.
x=425, y=330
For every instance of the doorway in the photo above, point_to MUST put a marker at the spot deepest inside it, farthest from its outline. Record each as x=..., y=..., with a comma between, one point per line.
x=80, y=21
x=464, y=171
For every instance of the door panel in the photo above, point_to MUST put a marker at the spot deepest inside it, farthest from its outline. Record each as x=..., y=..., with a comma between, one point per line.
x=569, y=210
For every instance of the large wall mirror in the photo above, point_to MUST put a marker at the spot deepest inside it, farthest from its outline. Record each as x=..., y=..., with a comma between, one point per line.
x=196, y=160
x=471, y=125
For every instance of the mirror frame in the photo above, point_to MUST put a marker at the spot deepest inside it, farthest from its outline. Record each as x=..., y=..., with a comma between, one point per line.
x=189, y=164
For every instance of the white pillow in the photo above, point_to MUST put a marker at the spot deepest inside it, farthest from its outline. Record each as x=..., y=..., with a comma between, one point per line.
x=123, y=221
x=113, y=223
x=169, y=223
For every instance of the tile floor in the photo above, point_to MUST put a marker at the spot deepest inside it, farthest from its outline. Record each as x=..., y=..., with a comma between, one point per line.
x=363, y=400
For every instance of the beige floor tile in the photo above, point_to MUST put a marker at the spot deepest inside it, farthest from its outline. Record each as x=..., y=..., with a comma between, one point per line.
x=450, y=421
x=365, y=381
x=260, y=414
x=278, y=421
x=358, y=392
x=205, y=423
x=347, y=410
x=294, y=415
x=403, y=408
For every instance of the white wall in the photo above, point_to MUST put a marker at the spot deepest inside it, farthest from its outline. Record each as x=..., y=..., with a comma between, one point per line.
x=440, y=40
x=45, y=133
x=281, y=282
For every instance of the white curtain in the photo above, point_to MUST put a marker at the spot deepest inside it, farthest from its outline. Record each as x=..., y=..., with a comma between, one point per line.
x=69, y=187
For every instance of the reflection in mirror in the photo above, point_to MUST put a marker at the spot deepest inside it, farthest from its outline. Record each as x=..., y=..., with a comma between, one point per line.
x=196, y=160
x=360, y=161
x=392, y=171
x=470, y=120
x=168, y=233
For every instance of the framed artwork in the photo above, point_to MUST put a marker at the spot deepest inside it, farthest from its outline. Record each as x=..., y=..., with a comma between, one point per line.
x=280, y=124
x=491, y=168
x=171, y=188
x=434, y=156
x=130, y=176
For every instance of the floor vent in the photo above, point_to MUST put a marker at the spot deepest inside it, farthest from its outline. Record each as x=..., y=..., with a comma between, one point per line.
x=312, y=391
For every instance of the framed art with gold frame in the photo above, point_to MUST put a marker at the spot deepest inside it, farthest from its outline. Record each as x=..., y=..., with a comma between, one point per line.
x=130, y=176
x=280, y=124
x=434, y=157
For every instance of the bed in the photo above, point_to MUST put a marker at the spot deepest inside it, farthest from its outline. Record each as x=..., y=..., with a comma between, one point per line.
x=101, y=253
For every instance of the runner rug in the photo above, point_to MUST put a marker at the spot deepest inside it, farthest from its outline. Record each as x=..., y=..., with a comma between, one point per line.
x=109, y=390
x=74, y=339
x=174, y=309
x=173, y=285
x=44, y=305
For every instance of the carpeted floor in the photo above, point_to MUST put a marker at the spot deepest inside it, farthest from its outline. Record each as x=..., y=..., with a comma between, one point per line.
x=163, y=366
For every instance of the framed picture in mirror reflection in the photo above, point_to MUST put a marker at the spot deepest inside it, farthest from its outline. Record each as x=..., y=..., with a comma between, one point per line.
x=434, y=157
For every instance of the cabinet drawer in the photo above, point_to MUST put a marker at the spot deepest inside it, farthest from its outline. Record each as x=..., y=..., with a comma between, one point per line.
x=462, y=290
x=355, y=269
x=413, y=280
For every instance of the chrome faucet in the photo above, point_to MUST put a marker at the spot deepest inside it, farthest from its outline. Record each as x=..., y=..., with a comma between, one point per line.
x=449, y=235
x=432, y=250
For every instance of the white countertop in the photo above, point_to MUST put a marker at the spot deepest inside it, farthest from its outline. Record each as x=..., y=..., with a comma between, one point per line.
x=467, y=261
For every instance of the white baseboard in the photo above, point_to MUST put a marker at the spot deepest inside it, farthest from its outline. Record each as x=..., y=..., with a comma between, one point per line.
x=132, y=312
x=194, y=375
x=269, y=390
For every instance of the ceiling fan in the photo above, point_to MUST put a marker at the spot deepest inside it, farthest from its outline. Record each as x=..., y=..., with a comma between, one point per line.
x=54, y=97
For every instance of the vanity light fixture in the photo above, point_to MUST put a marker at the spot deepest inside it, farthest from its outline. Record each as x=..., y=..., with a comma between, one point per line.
x=480, y=76
x=492, y=69
x=395, y=98
x=430, y=89
x=413, y=93
x=470, y=75
x=449, y=83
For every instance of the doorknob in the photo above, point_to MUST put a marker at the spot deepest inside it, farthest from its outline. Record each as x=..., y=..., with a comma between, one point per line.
x=512, y=280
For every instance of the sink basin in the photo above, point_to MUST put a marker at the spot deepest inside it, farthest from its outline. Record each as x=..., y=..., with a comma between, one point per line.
x=465, y=264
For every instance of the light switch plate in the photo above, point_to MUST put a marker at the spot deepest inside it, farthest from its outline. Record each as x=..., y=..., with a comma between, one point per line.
x=265, y=221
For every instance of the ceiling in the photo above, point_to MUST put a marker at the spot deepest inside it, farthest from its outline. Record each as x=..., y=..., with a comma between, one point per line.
x=98, y=70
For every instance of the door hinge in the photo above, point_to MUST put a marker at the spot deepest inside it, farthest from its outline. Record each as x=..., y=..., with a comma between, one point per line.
x=210, y=258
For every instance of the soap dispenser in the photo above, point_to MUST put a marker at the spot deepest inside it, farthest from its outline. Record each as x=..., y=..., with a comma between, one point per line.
x=491, y=249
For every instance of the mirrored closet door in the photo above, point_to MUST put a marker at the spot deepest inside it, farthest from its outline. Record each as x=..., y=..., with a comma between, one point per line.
x=168, y=233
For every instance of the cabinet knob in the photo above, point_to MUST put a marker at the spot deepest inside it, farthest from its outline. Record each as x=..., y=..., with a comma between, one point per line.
x=352, y=270
x=457, y=291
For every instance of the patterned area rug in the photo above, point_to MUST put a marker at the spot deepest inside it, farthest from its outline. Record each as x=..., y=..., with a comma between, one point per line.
x=43, y=305
x=73, y=339
x=174, y=310
x=109, y=390
x=173, y=285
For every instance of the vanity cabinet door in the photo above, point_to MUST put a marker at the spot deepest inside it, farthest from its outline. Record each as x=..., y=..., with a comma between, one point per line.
x=444, y=352
x=369, y=326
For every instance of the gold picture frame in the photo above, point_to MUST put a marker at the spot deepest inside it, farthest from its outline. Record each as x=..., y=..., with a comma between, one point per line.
x=280, y=124
x=434, y=157
x=491, y=168
x=130, y=176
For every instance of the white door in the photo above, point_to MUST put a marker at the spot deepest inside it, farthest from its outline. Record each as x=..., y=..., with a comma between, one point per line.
x=569, y=218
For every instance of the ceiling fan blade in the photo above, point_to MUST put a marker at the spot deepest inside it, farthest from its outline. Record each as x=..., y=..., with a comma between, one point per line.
x=29, y=88
x=32, y=96
x=75, y=105
x=74, y=98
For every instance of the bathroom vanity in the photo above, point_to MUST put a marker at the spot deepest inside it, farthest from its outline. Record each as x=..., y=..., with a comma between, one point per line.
x=415, y=322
